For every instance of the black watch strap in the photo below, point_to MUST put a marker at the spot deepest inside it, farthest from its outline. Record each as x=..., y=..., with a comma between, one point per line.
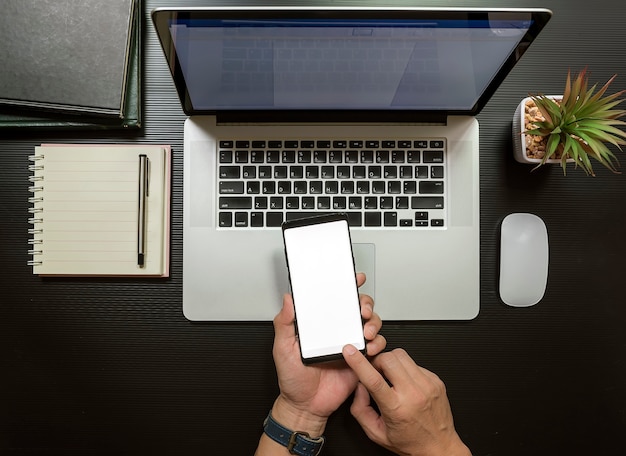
x=299, y=443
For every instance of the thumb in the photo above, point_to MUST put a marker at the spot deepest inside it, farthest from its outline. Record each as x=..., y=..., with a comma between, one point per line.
x=283, y=321
x=372, y=423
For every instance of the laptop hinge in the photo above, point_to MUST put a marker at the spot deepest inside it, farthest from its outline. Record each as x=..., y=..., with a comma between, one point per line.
x=331, y=117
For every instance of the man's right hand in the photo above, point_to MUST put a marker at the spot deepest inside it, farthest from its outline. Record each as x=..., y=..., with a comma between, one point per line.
x=415, y=417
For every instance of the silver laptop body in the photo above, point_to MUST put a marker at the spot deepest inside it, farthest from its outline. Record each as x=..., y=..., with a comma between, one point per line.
x=261, y=84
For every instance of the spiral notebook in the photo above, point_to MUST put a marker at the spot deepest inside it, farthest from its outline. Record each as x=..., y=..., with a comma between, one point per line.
x=100, y=210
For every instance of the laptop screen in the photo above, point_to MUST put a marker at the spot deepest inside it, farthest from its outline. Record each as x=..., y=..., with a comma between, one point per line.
x=302, y=60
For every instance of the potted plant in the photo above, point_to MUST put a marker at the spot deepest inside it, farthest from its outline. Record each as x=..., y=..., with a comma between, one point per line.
x=575, y=127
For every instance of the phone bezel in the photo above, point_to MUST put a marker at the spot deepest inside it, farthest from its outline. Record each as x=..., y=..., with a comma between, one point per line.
x=299, y=223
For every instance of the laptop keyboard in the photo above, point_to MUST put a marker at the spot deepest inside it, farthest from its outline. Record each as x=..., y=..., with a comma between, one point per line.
x=380, y=183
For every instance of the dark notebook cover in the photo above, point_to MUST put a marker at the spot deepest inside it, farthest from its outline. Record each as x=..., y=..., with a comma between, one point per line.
x=12, y=117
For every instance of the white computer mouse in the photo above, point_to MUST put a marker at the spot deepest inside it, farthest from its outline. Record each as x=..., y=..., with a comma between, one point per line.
x=524, y=257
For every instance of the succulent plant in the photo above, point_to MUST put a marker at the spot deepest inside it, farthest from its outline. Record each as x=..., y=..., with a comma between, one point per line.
x=581, y=124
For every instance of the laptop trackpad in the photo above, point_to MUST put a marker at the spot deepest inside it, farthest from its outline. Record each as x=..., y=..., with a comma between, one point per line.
x=365, y=261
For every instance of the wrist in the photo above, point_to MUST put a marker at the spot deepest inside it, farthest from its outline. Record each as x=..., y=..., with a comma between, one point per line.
x=297, y=419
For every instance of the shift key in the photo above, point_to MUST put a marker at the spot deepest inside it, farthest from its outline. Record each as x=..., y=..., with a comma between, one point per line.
x=235, y=202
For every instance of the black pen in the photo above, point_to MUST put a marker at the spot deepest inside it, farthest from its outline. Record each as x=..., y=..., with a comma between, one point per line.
x=143, y=194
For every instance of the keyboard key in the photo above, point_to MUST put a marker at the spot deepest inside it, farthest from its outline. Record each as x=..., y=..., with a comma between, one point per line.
x=226, y=156
x=436, y=222
x=253, y=187
x=312, y=172
x=426, y=202
x=272, y=156
x=340, y=144
x=382, y=156
x=371, y=202
x=352, y=156
x=280, y=172
x=256, y=219
x=308, y=202
x=233, y=187
x=284, y=187
x=402, y=202
x=420, y=144
x=289, y=156
x=356, y=144
x=389, y=144
x=276, y=202
x=296, y=172
x=374, y=172
x=433, y=156
x=226, y=144
x=372, y=144
x=257, y=156
x=300, y=187
x=258, y=144
x=242, y=144
x=315, y=187
x=241, y=219
x=328, y=172
x=225, y=219
x=260, y=202
x=274, y=219
x=292, y=144
x=390, y=172
x=304, y=156
x=431, y=187
x=372, y=219
x=436, y=144
x=322, y=144
x=319, y=156
x=347, y=187
x=391, y=219
x=323, y=202
x=249, y=172
x=292, y=202
x=386, y=202
x=331, y=187
x=394, y=187
x=235, y=202
x=410, y=187
x=241, y=156
x=269, y=187
x=229, y=172
x=335, y=156
x=397, y=156
x=275, y=144
x=343, y=172
x=421, y=172
x=413, y=156
x=307, y=144
x=339, y=203
x=265, y=172
x=405, y=144
x=359, y=172
x=367, y=156
x=355, y=202
x=436, y=172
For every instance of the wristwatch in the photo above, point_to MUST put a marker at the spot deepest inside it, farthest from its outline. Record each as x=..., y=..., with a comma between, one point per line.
x=297, y=442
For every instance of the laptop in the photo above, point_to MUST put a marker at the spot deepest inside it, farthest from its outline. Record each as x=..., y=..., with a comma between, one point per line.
x=298, y=111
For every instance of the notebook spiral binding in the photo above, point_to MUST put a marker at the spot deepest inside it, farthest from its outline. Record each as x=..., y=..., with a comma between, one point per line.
x=35, y=210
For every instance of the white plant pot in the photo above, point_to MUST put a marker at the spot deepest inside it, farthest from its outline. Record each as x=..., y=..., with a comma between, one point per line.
x=519, y=138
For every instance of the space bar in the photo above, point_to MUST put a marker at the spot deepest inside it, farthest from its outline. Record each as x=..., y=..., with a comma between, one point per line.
x=354, y=218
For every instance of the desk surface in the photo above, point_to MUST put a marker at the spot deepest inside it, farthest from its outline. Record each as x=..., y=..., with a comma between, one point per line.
x=111, y=366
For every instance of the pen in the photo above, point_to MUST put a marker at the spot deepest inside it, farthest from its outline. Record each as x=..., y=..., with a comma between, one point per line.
x=143, y=194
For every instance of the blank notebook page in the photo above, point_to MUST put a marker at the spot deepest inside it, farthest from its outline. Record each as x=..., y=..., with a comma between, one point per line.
x=85, y=210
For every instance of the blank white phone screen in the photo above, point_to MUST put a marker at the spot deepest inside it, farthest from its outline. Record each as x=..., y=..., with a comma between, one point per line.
x=323, y=284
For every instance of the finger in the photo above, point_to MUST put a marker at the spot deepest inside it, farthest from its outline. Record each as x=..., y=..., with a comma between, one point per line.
x=360, y=278
x=414, y=370
x=367, y=374
x=372, y=326
x=376, y=346
x=366, y=416
x=283, y=321
x=367, y=306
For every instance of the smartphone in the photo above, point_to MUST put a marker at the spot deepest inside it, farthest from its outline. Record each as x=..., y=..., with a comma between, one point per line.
x=322, y=276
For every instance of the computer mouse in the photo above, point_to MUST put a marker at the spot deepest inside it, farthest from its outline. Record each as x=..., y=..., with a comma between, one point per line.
x=524, y=254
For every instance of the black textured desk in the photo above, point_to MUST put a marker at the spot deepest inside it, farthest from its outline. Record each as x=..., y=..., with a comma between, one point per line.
x=111, y=367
